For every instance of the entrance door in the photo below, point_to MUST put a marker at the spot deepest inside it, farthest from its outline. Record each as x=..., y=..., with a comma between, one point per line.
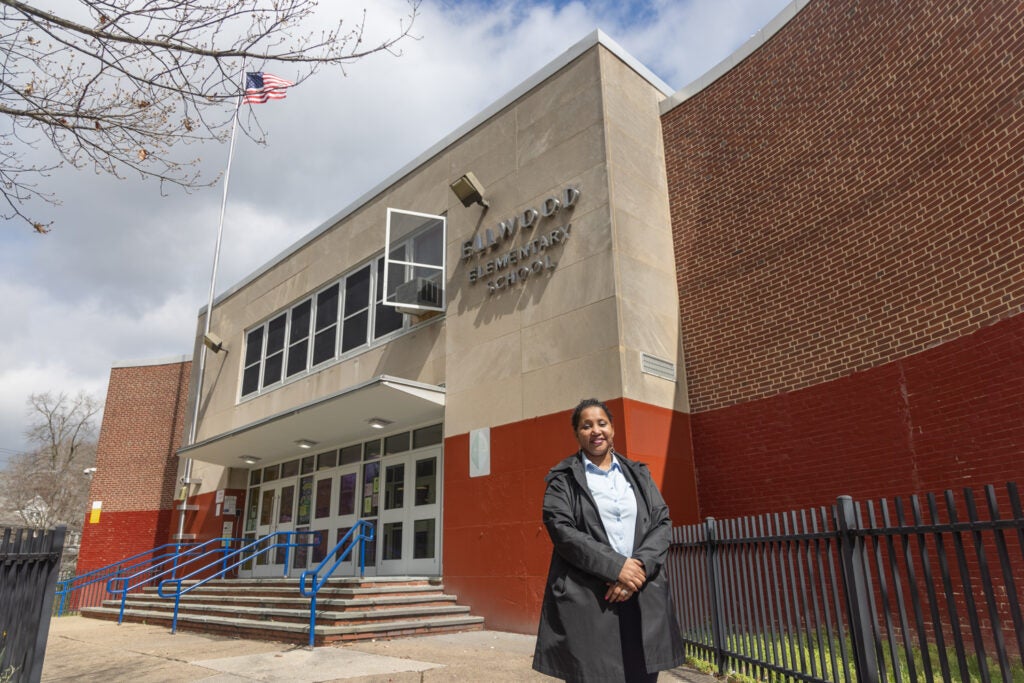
x=335, y=513
x=276, y=513
x=409, y=525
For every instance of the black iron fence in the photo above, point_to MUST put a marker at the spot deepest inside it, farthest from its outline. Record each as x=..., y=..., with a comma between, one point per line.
x=29, y=564
x=903, y=590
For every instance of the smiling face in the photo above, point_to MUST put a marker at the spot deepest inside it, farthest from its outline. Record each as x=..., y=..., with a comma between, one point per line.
x=595, y=432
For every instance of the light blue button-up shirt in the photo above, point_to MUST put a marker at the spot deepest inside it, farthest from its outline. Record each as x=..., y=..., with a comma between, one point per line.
x=615, y=501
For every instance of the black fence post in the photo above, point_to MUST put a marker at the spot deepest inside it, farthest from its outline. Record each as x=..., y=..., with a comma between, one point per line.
x=857, y=598
x=715, y=589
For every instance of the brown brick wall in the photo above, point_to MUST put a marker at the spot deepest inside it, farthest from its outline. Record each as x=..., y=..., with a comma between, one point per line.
x=849, y=195
x=143, y=421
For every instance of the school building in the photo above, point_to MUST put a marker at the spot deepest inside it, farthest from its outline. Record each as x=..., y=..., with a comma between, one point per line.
x=796, y=278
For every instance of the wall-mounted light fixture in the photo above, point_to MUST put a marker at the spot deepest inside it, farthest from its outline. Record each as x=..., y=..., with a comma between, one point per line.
x=469, y=190
x=89, y=471
x=249, y=459
x=305, y=443
x=379, y=422
x=213, y=342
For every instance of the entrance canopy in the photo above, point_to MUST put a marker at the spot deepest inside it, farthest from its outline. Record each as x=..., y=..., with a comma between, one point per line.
x=344, y=417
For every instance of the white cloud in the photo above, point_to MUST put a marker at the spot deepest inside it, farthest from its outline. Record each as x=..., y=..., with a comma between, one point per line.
x=125, y=271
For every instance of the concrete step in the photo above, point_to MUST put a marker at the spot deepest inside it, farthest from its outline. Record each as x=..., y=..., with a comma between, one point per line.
x=296, y=614
x=295, y=632
x=294, y=600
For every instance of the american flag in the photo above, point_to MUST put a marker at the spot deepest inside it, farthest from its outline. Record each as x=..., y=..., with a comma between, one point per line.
x=260, y=87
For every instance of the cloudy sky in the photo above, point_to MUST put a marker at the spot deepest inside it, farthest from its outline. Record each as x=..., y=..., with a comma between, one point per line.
x=125, y=270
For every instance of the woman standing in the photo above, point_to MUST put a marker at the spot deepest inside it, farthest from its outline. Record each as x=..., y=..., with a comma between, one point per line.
x=607, y=613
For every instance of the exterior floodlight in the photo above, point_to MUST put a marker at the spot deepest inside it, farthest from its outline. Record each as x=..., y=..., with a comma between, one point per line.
x=469, y=190
x=213, y=342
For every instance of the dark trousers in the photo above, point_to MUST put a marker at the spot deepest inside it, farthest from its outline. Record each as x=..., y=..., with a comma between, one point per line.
x=631, y=635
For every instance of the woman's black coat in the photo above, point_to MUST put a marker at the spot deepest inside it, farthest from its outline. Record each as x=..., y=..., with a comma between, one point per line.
x=578, y=637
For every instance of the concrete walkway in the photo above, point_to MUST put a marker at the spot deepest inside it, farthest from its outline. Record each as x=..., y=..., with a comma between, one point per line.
x=80, y=649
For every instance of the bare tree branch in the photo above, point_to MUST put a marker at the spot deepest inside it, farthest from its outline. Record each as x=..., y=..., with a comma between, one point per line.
x=46, y=486
x=123, y=85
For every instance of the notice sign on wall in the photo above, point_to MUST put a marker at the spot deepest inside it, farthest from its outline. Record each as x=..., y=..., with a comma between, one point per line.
x=94, y=513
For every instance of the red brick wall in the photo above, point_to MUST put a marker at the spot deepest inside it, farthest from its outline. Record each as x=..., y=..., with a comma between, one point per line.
x=849, y=195
x=948, y=417
x=848, y=211
x=496, y=550
x=136, y=465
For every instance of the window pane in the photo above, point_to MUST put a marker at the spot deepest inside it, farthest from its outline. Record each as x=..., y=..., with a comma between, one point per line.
x=254, y=346
x=254, y=477
x=305, y=500
x=341, y=534
x=347, y=494
x=396, y=443
x=349, y=454
x=371, y=489
x=394, y=487
x=290, y=468
x=323, y=498
x=353, y=335
x=323, y=345
x=327, y=307
x=308, y=464
x=287, y=510
x=357, y=291
x=325, y=460
x=272, y=369
x=423, y=539
x=392, y=541
x=271, y=473
x=320, y=549
x=387, y=319
x=275, y=333
x=427, y=436
x=266, y=508
x=251, y=380
x=300, y=321
x=426, y=481
x=427, y=247
x=297, y=357
x=371, y=450
x=254, y=506
x=301, y=553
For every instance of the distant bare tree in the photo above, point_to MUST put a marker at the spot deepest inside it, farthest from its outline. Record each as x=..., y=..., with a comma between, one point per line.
x=115, y=84
x=46, y=485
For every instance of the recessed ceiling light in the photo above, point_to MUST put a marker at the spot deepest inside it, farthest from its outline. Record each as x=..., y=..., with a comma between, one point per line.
x=379, y=422
x=249, y=459
x=305, y=443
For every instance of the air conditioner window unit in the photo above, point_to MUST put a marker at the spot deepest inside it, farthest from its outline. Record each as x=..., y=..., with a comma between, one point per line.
x=419, y=291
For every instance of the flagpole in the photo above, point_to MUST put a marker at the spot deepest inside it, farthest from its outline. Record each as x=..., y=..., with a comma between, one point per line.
x=186, y=478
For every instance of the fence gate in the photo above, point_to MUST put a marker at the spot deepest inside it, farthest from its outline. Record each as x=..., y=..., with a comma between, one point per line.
x=29, y=564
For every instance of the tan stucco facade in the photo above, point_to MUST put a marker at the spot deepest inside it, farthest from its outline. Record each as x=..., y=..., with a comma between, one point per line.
x=575, y=327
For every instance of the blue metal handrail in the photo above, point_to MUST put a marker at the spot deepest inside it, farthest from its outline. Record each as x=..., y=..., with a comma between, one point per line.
x=171, y=564
x=75, y=583
x=365, y=533
x=266, y=547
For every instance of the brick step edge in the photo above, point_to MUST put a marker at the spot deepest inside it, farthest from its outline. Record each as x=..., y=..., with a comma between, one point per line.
x=274, y=602
x=292, y=615
x=288, y=631
x=293, y=588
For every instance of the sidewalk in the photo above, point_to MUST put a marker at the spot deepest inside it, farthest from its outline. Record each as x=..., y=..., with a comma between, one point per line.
x=80, y=649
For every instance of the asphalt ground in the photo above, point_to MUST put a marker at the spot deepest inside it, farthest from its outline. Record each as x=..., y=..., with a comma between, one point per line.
x=80, y=649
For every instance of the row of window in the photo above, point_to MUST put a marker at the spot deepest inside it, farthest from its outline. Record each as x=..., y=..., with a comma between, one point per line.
x=344, y=316
x=367, y=450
